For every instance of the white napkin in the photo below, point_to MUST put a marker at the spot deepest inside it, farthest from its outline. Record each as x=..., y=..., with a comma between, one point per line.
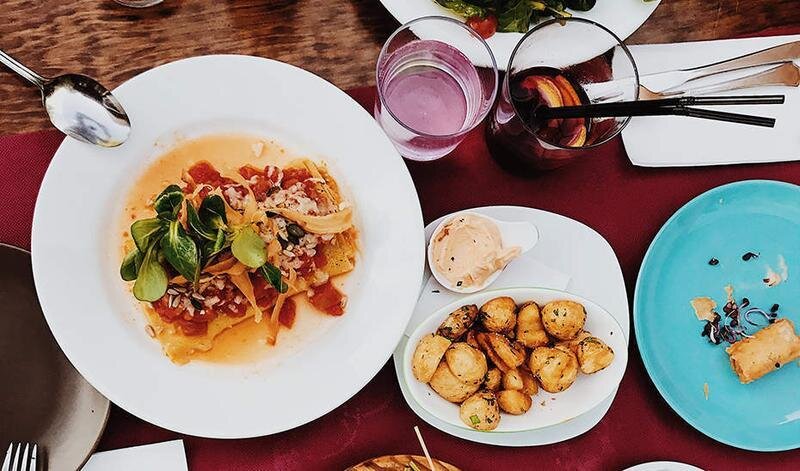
x=668, y=141
x=165, y=456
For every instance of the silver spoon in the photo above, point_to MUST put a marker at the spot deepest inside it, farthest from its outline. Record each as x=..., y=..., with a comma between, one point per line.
x=78, y=106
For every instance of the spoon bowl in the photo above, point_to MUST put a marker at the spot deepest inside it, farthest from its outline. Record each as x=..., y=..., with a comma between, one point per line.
x=82, y=108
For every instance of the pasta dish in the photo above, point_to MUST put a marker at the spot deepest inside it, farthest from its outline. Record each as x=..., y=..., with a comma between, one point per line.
x=220, y=247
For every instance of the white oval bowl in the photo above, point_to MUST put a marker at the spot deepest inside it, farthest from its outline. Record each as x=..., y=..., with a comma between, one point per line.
x=586, y=393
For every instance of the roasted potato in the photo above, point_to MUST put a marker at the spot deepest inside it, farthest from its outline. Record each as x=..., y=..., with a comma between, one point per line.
x=427, y=355
x=458, y=322
x=514, y=402
x=594, y=355
x=466, y=363
x=499, y=315
x=563, y=319
x=512, y=380
x=572, y=344
x=530, y=330
x=556, y=367
x=447, y=385
x=492, y=379
x=501, y=351
x=529, y=384
x=471, y=340
x=480, y=411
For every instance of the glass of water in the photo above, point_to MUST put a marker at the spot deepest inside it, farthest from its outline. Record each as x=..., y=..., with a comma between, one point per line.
x=437, y=80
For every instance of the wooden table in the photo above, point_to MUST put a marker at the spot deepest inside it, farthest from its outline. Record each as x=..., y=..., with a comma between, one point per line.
x=338, y=40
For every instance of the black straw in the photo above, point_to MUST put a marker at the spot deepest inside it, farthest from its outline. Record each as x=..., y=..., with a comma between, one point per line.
x=668, y=106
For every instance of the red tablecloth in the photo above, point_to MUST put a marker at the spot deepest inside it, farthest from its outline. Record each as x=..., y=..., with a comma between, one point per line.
x=625, y=204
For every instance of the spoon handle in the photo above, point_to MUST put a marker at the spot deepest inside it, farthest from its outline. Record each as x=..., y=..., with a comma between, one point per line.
x=20, y=69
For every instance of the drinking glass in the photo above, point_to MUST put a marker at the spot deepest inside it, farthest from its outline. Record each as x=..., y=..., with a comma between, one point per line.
x=437, y=80
x=553, y=60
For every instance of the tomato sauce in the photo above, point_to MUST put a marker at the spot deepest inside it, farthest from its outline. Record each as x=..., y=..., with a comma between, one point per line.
x=194, y=323
x=328, y=299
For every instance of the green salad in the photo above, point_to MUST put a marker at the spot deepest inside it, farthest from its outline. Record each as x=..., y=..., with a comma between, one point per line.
x=489, y=16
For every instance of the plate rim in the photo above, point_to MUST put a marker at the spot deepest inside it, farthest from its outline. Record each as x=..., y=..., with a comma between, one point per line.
x=147, y=414
x=645, y=354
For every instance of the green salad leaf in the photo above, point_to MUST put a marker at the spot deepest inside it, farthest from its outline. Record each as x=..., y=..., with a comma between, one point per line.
x=168, y=203
x=212, y=212
x=180, y=251
x=465, y=9
x=272, y=274
x=151, y=282
x=515, y=16
x=248, y=247
x=144, y=231
x=582, y=5
x=213, y=247
x=130, y=265
x=197, y=225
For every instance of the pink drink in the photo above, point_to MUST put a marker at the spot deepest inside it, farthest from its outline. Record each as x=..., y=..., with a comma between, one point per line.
x=430, y=95
x=427, y=99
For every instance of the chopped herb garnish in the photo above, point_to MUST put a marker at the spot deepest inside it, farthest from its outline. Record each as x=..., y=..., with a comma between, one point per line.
x=475, y=420
x=196, y=304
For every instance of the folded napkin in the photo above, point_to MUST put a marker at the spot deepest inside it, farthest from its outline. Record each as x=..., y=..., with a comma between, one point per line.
x=670, y=141
x=165, y=456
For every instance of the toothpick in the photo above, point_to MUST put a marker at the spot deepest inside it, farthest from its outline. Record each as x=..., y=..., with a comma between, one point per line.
x=425, y=449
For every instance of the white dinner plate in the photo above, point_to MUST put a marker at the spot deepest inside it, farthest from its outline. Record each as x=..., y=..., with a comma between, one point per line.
x=664, y=466
x=101, y=328
x=569, y=256
x=586, y=393
x=623, y=17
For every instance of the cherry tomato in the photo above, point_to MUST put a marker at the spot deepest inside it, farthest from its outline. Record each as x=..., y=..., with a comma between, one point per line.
x=485, y=27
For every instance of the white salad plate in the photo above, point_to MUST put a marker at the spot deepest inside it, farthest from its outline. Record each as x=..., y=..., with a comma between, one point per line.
x=664, y=466
x=586, y=393
x=101, y=328
x=568, y=256
x=623, y=17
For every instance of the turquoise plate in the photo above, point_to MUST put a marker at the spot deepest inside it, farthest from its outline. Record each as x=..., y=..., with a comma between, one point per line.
x=723, y=223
